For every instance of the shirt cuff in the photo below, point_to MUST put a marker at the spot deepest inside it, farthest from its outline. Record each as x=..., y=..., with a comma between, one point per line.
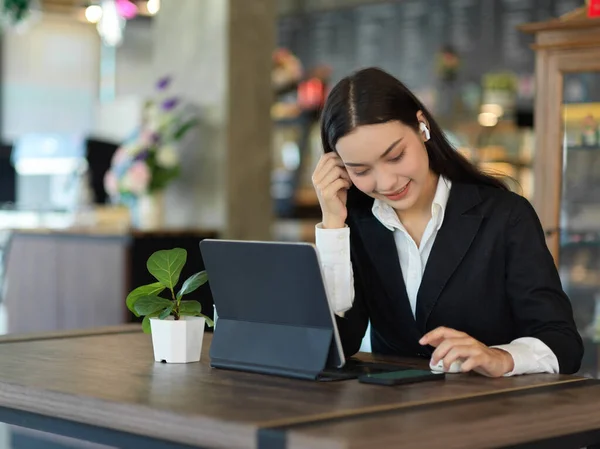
x=530, y=356
x=333, y=244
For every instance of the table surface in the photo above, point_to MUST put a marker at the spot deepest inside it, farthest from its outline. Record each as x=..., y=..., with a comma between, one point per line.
x=108, y=378
x=545, y=417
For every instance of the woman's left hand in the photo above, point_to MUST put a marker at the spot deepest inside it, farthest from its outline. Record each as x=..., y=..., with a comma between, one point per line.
x=452, y=345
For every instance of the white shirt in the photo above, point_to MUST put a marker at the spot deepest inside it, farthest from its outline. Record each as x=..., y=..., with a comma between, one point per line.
x=530, y=354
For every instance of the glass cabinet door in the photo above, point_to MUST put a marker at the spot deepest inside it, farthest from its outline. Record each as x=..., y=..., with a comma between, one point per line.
x=579, y=253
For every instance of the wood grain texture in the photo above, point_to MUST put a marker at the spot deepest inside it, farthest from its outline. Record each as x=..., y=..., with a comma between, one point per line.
x=112, y=381
x=491, y=423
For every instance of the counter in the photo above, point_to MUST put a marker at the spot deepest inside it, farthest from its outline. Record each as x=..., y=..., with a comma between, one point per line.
x=78, y=277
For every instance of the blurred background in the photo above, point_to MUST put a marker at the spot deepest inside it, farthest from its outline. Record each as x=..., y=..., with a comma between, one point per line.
x=130, y=126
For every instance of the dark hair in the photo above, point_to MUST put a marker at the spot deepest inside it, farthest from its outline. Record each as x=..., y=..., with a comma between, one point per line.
x=371, y=96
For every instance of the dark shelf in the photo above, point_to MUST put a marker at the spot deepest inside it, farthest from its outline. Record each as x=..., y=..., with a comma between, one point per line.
x=583, y=148
x=582, y=243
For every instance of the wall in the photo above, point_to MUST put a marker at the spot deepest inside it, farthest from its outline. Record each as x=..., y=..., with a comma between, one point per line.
x=134, y=79
x=50, y=78
x=134, y=58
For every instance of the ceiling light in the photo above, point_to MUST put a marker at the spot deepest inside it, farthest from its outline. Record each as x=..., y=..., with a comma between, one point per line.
x=153, y=6
x=93, y=13
x=110, y=27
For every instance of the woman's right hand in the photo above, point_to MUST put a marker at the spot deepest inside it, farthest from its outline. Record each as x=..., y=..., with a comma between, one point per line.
x=331, y=182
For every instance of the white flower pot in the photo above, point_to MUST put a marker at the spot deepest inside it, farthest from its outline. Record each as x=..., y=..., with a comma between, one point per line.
x=177, y=341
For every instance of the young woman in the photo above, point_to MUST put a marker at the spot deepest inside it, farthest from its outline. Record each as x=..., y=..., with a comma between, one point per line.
x=444, y=261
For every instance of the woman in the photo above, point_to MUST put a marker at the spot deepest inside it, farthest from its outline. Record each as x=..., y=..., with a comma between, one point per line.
x=442, y=259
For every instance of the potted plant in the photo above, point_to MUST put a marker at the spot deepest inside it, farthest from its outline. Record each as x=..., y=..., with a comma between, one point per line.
x=177, y=326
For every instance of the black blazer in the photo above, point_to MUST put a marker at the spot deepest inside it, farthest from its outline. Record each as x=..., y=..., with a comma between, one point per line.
x=489, y=274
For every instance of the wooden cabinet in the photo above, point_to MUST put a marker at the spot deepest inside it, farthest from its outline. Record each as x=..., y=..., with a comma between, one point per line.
x=567, y=162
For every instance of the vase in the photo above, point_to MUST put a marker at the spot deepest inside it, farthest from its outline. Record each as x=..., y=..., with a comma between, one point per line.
x=177, y=341
x=150, y=211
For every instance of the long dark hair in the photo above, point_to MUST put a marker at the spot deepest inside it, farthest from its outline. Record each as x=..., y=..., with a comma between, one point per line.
x=371, y=96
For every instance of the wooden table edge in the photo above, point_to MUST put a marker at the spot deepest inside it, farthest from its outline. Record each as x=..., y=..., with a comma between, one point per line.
x=195, y=430
x=366, y=411
x=291, y=436
x=90, y=332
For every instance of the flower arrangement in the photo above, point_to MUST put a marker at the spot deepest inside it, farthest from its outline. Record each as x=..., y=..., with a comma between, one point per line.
x=149, y=161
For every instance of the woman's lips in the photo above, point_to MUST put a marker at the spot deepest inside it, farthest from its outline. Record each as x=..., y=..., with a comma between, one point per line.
x=400, y=193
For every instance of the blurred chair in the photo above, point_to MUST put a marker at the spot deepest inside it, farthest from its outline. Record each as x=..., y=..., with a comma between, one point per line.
x=8, y=177
x=99, y=155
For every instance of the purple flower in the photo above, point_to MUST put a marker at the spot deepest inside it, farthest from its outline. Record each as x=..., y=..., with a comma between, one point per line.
x=155, y=137
x=142, y=155
x=163, y=83
x=170, y=104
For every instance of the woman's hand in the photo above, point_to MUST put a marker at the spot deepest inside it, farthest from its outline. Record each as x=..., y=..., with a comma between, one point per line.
x=331, y=182
x=452, y=345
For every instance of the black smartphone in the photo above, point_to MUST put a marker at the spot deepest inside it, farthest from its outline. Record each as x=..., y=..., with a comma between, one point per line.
x=408, y=376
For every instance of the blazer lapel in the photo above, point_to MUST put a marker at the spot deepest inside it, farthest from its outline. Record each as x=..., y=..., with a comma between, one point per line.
x=379, y=243
x=451, y=244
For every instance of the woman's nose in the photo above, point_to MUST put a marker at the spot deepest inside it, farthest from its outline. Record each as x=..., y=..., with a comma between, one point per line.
x=386, y=184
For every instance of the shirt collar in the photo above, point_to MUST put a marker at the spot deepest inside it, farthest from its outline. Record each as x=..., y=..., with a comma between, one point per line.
x=388, y=217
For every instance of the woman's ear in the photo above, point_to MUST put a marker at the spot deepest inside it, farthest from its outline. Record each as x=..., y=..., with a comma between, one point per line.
x=423, y=126
x=422, y=119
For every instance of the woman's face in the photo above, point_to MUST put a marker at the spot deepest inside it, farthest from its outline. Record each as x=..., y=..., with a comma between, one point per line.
x=387, y=161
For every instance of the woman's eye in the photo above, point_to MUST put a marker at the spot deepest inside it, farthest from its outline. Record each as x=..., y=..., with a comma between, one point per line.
x=361, y=173
x=397, y=158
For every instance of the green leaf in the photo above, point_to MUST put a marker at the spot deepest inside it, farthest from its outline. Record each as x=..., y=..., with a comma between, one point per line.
x=192, y=283
x=144, y=290
x=208, y=320
x=183, y=129
x=166, y=265
x=165, y=313
x=193, y=308
x=151, y=304
x=146, y=327
x=190, y=308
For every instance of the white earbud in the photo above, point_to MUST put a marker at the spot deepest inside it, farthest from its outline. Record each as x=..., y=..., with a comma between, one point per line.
x=423, y=128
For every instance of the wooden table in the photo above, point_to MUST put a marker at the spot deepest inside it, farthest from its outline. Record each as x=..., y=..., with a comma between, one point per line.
x=107, y=379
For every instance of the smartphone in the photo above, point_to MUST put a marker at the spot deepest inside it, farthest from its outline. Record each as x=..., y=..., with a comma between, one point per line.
x=408, y=376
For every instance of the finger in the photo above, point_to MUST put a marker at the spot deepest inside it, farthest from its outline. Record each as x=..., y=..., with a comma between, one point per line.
x=436, y=336
x=460, y=353
x=445, y=346
x=333, y=188
x=322, y=161
x=333, y=175
x=323, y=171
x=470, y=364
x=331, y=156
x=337, y=160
